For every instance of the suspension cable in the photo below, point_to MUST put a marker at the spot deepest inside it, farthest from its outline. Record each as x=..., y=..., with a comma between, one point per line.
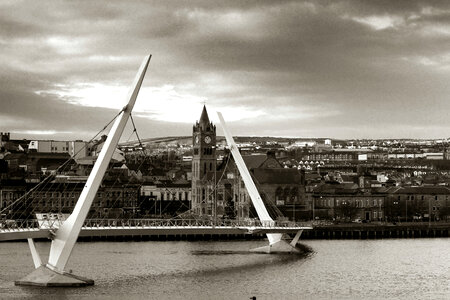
x=47, y=180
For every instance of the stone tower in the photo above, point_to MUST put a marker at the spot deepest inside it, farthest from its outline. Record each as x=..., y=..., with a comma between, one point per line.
x=203, y=165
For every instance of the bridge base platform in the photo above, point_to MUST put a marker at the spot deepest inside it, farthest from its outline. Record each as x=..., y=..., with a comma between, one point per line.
x=278, y=247
x=43, y=276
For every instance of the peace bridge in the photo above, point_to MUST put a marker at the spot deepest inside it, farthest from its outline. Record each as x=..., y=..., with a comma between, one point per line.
x=24, y=229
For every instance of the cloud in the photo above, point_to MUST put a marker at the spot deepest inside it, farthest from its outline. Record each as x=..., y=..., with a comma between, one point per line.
x=339, y=69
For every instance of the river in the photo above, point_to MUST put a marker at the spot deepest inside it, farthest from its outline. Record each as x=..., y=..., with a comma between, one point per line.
x=334, y=269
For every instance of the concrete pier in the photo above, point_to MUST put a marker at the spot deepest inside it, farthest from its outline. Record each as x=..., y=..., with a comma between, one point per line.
x=43, y=276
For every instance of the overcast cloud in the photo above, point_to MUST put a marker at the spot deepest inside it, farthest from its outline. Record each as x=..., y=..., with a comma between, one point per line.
x=340, y=69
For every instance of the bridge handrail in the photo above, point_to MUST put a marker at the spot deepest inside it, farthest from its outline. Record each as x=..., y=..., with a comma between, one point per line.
x=17, y=225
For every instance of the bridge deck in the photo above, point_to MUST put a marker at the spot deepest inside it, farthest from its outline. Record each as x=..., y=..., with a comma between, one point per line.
x=95, y=228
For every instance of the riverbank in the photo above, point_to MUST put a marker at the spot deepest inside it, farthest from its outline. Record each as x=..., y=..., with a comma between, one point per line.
x=320, y=231
x=378, y=231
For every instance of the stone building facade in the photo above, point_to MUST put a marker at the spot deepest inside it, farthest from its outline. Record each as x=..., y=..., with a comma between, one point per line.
x=218, y=189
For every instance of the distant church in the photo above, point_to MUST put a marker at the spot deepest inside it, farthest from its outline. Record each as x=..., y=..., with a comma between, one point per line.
x=219, y=191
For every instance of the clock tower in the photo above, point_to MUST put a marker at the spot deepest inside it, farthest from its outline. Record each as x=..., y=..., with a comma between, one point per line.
x=203, y=165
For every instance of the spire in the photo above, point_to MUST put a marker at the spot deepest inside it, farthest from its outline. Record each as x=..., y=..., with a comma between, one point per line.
x=204, y=120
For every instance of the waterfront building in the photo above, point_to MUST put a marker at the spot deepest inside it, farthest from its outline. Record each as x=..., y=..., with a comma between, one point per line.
x=10, y=191
x=219, y=191
x=21, y=199
x=281, y=189
x=418, y=203
x=347, y=202
x=164, y=198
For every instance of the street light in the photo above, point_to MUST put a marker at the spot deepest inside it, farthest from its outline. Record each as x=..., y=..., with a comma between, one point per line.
x=406, y=210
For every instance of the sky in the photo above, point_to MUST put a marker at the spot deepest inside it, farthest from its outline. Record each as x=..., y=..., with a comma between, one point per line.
x=337, y=69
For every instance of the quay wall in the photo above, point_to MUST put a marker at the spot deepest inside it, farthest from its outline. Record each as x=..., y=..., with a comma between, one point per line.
x=350, y=231
x=329, y=232
x=379, y=231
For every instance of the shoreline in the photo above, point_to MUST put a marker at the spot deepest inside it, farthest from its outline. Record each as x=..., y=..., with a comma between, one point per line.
x=324, y=232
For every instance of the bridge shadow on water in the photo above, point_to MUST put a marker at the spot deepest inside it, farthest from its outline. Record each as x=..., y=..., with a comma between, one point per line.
x=305, y=251
x=255, y=264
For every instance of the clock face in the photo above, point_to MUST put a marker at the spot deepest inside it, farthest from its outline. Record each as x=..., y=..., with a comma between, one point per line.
x=207, y=139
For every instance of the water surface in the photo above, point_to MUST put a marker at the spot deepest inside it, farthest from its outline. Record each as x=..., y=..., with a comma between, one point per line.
x=336, y=269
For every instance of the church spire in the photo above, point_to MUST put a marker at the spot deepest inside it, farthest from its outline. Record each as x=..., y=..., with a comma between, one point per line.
x=204, y=119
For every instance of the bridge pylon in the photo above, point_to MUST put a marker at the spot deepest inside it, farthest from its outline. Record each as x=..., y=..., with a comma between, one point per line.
x=63, y=241
x=276, y=241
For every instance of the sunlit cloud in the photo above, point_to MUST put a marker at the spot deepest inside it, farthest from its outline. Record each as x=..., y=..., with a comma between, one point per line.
x=65, y=45
x=41, y=132
x=271, y=67
x=379, y=22
x=438, y=62
x=158, y=103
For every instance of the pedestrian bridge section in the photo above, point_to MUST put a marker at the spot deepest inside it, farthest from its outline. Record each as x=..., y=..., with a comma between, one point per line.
x=22, y=230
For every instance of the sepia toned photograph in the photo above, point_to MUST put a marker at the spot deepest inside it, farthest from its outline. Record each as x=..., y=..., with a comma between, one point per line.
x=212, y=149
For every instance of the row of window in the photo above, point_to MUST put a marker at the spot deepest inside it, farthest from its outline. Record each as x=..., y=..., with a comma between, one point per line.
x=412, y=197
x=71, y=203
x=73, y=195
x=356, y=203
x=11, y=195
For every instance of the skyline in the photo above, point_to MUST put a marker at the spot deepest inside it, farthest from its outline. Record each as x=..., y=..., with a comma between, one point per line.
x=340, y=69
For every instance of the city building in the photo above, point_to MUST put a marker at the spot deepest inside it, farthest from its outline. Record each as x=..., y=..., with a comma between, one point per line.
x=219, y=191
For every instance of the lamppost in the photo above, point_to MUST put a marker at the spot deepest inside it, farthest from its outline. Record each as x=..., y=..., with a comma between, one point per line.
x=429, y=212
x=294, y=208
x=406, y=209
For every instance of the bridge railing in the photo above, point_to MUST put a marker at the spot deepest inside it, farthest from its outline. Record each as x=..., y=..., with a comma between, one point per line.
x=189, y=223
x=18, y=225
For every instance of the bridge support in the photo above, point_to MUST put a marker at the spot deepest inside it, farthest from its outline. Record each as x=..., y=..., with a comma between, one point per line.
x=53, y=274
x=276, y=244
x=43, y=276
x=34, y=254
x=281, y=246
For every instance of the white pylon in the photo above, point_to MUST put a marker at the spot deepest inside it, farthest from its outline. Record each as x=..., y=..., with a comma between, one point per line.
x=66, y=236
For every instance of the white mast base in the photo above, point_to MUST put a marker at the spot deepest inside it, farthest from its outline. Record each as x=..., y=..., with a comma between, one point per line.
x=281, y=246
x=276, y=244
